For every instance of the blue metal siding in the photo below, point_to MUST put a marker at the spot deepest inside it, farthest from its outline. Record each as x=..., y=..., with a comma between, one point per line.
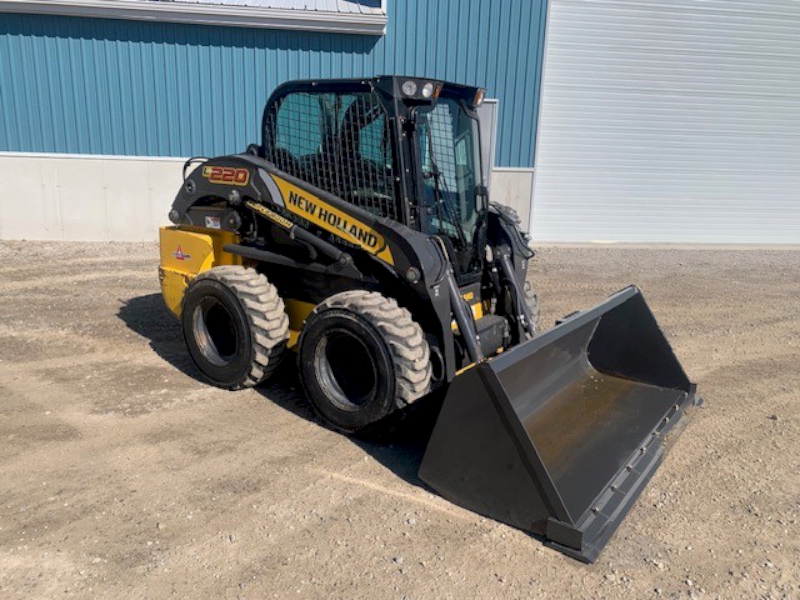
x=95, y=86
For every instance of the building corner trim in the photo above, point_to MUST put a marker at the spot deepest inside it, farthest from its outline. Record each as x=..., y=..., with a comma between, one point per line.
x=206, y=14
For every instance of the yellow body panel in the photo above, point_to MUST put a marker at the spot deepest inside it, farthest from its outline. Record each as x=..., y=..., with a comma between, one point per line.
x=185, y=253
x=477, y=311
x=294, y=336
x=298, y=312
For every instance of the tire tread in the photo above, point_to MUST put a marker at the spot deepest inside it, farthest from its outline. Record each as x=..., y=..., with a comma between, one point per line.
x=404, y=336
x=269, y=324
x=532, y=300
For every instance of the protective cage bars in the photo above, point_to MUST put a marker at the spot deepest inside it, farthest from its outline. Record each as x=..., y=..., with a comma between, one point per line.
x=438, y=123
x=337, y=142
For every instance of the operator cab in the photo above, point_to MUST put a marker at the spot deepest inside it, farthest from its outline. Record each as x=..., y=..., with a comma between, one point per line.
x=406, y=149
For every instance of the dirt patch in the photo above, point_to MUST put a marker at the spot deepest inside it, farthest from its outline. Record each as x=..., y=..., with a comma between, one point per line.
x=125, y=476
x=114, y=384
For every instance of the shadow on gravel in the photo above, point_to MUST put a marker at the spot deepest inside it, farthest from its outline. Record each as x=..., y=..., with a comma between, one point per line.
x=148, y=317
x=398, y=444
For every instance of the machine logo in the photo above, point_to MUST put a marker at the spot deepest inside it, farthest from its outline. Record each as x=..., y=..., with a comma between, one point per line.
x=227, y=175
x=179, y=254
x=335, y=220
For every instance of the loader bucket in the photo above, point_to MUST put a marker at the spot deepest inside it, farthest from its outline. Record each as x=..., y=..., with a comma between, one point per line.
x=559, y=435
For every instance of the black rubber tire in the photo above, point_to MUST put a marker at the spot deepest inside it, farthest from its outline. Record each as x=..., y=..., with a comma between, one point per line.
x=532, y=300
x=235, y=326
x=361, y=357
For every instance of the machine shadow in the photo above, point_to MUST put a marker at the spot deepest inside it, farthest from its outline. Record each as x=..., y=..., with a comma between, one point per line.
x=149, y=317
x=398, y=443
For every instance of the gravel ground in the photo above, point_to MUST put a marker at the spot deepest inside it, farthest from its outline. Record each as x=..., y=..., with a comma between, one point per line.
x=124, y=476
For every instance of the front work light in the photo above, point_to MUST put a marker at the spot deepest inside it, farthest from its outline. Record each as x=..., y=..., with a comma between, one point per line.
x=409, y=88
x=427, y=90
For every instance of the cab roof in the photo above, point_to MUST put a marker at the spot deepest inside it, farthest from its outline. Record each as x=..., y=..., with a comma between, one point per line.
x=390, y=85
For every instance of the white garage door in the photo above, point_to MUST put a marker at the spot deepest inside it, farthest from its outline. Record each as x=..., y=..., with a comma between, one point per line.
x=670, y=121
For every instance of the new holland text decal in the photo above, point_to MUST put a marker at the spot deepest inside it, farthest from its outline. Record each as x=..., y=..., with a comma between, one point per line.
x=226, y=175
x=333, y=219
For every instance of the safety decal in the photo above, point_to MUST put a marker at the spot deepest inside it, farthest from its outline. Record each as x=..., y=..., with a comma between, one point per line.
x=226, y=175
x=180, y=255
x=213, y=222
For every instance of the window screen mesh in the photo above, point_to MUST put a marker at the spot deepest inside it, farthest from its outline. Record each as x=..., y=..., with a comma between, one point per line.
x=448, y=150
x=337, y=142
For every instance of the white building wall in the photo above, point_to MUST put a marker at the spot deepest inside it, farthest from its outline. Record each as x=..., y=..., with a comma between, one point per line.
x=102, y=198
x=670, y=121
x=84, y=198
x=514, y=188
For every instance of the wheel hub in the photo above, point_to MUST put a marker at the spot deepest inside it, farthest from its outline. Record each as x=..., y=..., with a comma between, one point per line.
x=346, y=370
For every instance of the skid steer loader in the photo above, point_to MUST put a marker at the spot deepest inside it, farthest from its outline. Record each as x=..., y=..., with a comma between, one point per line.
x=360, y=235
